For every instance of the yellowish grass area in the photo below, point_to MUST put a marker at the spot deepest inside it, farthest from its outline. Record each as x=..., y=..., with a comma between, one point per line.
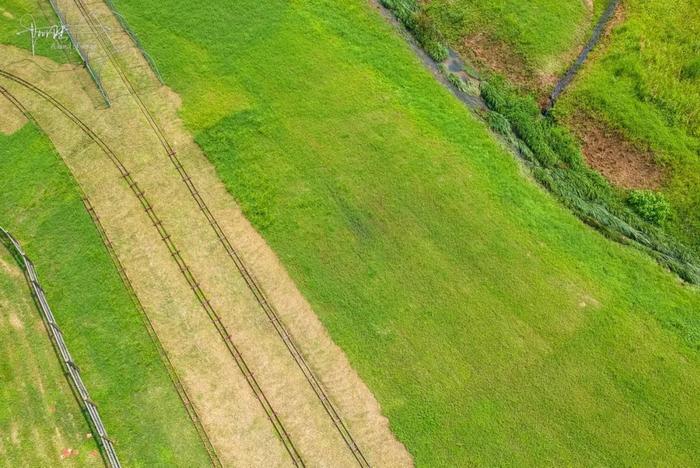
x=11, y=119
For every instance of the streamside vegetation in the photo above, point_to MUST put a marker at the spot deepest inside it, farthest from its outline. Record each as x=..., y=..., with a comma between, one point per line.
x=639, y=87
x=531, y=42
x=491, y=324
x=643, y=83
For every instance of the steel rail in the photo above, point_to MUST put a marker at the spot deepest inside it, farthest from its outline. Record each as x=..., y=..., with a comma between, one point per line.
x=251, y=282
x=182, y=265
x=170, y=368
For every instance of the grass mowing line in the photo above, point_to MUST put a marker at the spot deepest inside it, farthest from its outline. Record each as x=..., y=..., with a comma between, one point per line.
x=182, y=265
x=174, y=377
x=250, y=280
x=93, y=416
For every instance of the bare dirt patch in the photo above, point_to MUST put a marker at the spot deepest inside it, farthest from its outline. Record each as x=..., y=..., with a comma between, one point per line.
x=491, y=54
x=622, y=163
x=15, y=321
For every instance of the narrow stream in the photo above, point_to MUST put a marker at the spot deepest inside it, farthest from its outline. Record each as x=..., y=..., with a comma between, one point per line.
x=568, y=77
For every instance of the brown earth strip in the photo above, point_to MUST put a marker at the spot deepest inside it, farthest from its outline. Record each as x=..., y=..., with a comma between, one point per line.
x=609, y=153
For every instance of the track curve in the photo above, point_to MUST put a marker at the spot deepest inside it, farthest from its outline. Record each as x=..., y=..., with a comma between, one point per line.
x=251, y=282
x=175, y=253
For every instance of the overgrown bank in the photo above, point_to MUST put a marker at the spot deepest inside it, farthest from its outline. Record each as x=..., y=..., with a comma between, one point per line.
x=557, y=162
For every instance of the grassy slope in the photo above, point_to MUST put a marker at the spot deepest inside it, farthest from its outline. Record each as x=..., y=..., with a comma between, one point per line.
x=17, y=16
x=645, y=82
x=541, y=32
x=39, y=416
x=492, y=326
x=40, y=205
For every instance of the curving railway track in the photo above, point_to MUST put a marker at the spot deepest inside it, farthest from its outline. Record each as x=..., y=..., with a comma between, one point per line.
x=252, y=284
x=175, y=254
x=172, y=373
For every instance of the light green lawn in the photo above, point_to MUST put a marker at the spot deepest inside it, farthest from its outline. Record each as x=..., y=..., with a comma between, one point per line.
x=493, y=327
x=645, y=82
x=41, y=206
x=542, y=33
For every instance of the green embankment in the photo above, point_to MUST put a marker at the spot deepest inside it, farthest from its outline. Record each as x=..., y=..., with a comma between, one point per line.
x=644, y=81
x=493, y=327
x=40, y=421
x=41, y=206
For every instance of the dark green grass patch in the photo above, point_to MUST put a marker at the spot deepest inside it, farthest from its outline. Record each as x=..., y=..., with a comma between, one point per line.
x=41, y=206
x=492, y=325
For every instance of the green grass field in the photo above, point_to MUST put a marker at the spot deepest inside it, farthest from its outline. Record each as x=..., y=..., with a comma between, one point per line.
x=493, y=327
x=41, y=206
x=645, y=82
x=40, y=421
x=540, y=33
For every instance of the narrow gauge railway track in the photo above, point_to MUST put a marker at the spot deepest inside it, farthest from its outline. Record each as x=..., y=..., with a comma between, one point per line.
x=174, y=377
x=251, y=282
x=172, y=373
x=182, y=265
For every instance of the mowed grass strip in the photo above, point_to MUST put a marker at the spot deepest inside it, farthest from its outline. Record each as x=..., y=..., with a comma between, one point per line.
x=644, y=82
x=40, y=420
x=41, y=206
x=493, y=327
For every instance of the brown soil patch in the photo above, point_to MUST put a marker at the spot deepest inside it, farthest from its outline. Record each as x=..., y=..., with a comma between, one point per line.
x=618, y=18
x=494, y=55
x=11, y=119
x=623, y=164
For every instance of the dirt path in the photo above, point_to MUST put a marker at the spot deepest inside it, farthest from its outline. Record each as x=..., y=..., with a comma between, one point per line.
x=232, y=416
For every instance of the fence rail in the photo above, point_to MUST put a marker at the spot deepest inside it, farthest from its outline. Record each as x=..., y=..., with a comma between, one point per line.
x=66, y=359
x=82, y=53
x=135, y=39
